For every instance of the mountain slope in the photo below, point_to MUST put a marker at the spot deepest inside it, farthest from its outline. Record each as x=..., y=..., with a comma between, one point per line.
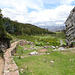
x=17, y=28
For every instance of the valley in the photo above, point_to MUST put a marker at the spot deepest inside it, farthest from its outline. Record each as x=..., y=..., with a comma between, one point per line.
x=26, y=49
x=34, y=57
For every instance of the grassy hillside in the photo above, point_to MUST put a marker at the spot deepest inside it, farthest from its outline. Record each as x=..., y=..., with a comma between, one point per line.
x=3, y=33
x=14, y=27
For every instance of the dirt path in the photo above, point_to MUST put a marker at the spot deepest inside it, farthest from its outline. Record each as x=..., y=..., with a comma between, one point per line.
x=1, y=65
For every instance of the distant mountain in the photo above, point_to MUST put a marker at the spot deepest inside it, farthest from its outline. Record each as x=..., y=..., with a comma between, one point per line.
x=53, y=28
x=52, y=25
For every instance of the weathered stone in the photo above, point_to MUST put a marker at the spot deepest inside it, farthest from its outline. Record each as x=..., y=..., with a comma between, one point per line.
x=56, y=46
x=61, y=48
x=53, y=47
x=4, y=45
x=61, y=43
x=52, y=61
x=45, y=47
x=48, y=53
x=33, y=53
x=70, y=28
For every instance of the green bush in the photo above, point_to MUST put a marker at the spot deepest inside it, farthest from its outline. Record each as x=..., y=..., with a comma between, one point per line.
x=3, y=34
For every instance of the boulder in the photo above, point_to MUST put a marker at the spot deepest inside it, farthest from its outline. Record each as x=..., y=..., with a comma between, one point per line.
x=34, y=53
x=61, y=43
x=56, y=46
x=45, y=47
x=52, y=61
x=53, y=47
x=61, y=48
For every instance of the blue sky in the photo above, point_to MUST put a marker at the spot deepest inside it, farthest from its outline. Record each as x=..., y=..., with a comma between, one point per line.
x=38, y=12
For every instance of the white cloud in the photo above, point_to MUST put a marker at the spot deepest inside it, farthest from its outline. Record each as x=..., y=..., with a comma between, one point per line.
x=18, y=10
x=22, y=4
x=67, y=1
x=56, y=14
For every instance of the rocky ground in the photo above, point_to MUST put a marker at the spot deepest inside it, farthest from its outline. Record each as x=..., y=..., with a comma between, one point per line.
x=1, y=65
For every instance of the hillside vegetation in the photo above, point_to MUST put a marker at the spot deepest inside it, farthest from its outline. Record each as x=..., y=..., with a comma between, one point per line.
x=16, y=28
x=3, y=33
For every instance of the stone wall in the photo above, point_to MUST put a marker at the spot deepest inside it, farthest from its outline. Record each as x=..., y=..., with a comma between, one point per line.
x=10, y=67
x=4, y=45
x=70, y=28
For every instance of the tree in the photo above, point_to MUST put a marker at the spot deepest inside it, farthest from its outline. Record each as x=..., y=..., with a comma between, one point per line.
x=0, y=14
x=0, y=17
x=3, y=33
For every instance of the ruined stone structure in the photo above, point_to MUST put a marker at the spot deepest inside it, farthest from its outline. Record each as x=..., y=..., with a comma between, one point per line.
x=4, y=38
x=70, y=28
x=4, y=44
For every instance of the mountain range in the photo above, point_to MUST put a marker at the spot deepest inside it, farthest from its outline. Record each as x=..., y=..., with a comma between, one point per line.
x=51, y=25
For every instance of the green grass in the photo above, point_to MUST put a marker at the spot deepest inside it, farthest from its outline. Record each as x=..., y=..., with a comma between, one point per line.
x=64, y=61
x=42, y=40
x=41, y=65
x=1, y=54
x=21, y=52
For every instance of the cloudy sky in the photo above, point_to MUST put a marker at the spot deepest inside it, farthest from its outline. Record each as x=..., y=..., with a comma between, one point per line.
x=38, y=12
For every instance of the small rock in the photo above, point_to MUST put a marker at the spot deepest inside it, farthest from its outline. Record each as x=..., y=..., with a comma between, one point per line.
x=21, y=70
x=33, y=53
x=48, y=53
x=21, y=57
x=45, y=47
x=32, y=47
x=61, y=43
x=56, y=46
x=53, y=47
x=52, y=61
x=61, y=48
x=71, y=60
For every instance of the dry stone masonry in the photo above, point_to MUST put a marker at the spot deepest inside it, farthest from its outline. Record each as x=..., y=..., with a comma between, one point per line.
x=4, y=45
x=10, y=67
x=70, y=28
